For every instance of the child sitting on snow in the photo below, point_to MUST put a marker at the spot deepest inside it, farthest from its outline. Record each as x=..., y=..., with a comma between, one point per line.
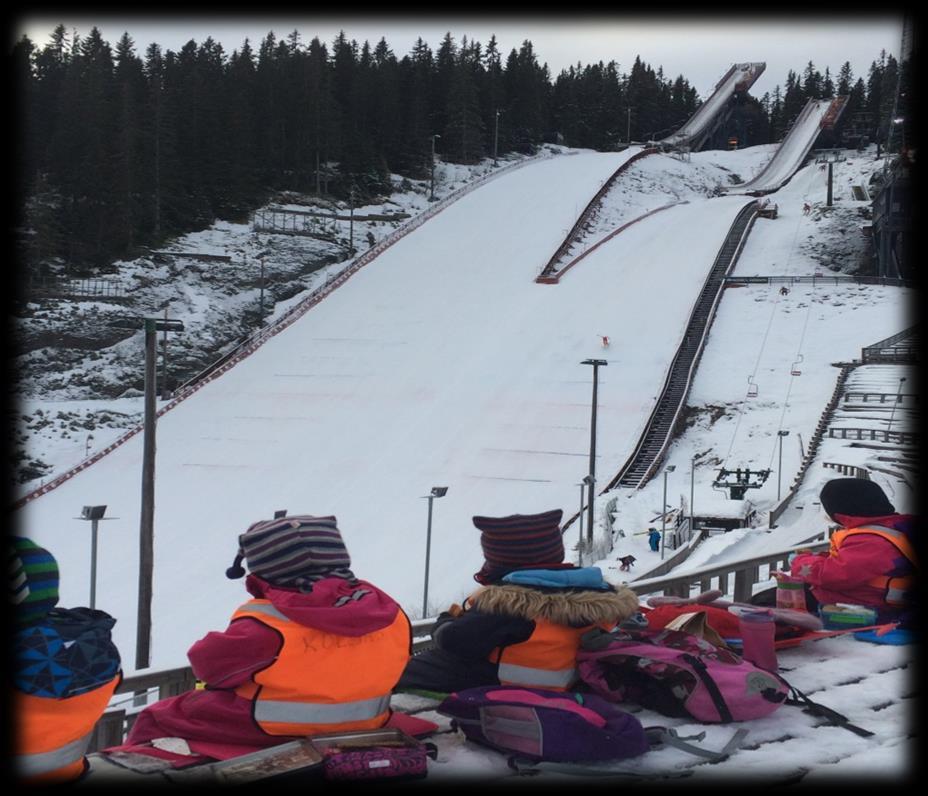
x=313, y=650
x=523, y=626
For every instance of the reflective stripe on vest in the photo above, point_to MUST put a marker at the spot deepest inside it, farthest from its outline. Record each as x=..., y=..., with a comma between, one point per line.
x=321, y=681
x=52, y=733
x=546, y=659
x=318, y=713
x=39, y=763
x=534, y=677
x=895, y=588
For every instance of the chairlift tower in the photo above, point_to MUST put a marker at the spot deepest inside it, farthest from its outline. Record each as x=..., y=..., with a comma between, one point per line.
x=740, y=480
x=830, y=157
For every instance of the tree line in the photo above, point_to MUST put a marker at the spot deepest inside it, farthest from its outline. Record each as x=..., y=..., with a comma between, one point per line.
x=117, y=151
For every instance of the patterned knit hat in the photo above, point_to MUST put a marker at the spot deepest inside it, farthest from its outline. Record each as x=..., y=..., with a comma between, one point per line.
x=519, y=541
x=855, y=497
x=33, y=574
x=293, y=551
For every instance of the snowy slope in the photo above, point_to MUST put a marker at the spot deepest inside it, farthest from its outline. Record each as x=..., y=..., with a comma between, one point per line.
x=440, y=363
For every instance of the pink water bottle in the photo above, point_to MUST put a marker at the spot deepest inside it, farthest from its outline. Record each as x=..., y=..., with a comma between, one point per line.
x=757, y=635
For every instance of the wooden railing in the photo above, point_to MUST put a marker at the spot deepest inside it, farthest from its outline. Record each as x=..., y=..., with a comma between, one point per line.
x=736, y=579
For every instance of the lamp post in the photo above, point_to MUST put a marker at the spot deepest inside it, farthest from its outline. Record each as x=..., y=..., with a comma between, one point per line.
x=898, y=398
x=692, y=490
x=94, y=514
x=437, y=492
x=351, y=221
x=261, y=257
x=596, y=363
x=432, y=178
x=582, y=486
x=496, y=137
x=780, y=434
x=669, y=469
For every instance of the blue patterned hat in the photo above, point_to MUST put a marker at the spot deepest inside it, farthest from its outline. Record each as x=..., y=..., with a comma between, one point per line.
x=33, y=574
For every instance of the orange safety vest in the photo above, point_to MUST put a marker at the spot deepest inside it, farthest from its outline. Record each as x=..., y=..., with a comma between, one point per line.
x=322, y=682
x=547, y=659
x=894, y=587
x=52, y=734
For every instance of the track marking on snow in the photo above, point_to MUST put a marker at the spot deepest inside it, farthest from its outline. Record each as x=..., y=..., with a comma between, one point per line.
x=503, y=478
x=521, y=450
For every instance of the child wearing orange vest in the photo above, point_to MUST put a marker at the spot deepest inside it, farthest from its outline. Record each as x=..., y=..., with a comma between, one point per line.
x=66, y=669
x=872, y=558
x=314, y=650
x=523, y=626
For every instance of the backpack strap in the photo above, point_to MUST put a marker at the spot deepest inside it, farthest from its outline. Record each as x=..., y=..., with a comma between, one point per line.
x=524, y=766
x=711, y=687
x=822, y=711
x=667, y=736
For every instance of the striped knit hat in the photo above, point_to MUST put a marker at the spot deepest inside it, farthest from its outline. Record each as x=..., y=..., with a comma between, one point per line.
x=293, y=551
x=33, y=574
x=519, y=541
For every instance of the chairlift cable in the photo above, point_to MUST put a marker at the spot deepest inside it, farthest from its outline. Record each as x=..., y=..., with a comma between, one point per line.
x=773, y=311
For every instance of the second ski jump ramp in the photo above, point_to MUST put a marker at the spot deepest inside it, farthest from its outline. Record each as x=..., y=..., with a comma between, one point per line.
x=791, y=154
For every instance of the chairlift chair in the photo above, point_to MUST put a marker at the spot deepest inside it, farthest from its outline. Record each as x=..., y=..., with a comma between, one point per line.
x=752, y=387
x=795, y=371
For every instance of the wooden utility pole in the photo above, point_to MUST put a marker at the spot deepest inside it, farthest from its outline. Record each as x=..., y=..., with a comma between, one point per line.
x=146, y=525
x=147, y=515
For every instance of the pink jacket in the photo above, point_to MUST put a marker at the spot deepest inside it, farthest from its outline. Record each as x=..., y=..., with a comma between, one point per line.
x=843, y=577
x=215, y=721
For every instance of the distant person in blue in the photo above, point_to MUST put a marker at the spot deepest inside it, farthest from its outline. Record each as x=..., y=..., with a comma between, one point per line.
x=65, y=670
x=654, y=539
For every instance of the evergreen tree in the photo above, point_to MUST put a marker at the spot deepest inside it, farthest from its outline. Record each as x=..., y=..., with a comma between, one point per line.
x=129, y=148
x=463, y=131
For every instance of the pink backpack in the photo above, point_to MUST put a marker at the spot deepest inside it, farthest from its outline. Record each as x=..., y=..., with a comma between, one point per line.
x=677, y=674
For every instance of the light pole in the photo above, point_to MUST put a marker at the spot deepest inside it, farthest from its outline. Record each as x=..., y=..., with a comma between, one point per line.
x=780, y=434
x=669, y=469
x=432, y=178
x=437, y=492
x=692, y=490
x=893, y=413
x=582, y=486
x=261, y=257
x=596, y=363
x=94, y=514
x=496, y=138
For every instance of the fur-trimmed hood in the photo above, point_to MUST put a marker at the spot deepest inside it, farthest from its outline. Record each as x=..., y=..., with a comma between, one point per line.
x=575, y=608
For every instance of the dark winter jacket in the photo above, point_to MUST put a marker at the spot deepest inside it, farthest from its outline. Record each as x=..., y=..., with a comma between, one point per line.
x=502, y=617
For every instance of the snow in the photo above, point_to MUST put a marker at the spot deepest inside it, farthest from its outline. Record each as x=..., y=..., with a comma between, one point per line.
x=442, y=362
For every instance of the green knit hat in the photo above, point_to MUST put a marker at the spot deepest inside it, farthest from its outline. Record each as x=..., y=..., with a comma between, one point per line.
x=33, y=574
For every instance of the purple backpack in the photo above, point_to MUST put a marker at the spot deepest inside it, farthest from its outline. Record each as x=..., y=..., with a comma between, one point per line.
x=537, y=725
x=677, y=674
